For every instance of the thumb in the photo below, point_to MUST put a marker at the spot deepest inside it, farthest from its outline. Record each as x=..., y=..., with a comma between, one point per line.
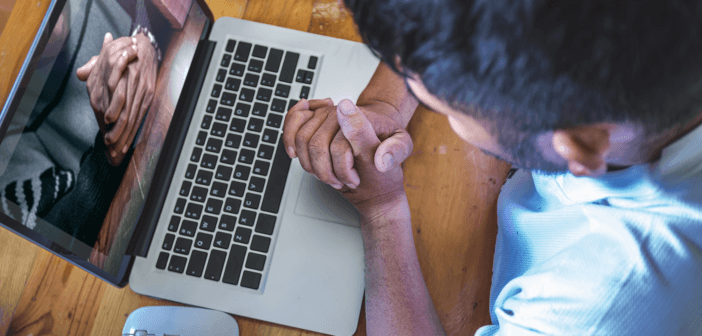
x=84, y=72
x=394, y=150
x=356, y=128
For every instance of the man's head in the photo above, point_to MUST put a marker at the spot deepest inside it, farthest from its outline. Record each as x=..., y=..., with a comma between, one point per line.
x=547, y=82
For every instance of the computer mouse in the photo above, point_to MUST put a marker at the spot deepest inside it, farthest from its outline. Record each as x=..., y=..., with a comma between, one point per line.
x=180, y=321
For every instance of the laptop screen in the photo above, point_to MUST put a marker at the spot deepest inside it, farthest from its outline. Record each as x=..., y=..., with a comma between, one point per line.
x=81, y=147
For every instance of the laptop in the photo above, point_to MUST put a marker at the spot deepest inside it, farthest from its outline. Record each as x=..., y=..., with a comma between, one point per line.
x=206, y=209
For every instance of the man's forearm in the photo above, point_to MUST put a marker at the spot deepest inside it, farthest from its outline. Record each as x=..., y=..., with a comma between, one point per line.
x=388, y=88
x=397, y=299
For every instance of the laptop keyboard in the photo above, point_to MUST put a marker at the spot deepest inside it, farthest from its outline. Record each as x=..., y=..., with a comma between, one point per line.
x=223, y=225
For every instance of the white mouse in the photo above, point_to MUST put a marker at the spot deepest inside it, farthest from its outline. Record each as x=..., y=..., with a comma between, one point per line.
x=180, y=321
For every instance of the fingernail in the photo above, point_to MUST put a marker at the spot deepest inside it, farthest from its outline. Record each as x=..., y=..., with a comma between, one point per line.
x=124, y=53
x=125, y=149
x=337, y=186
x=113, y=153
x=134, y=41
x=388, y=160
x=352, y=186
x=134, y=47
x=106, y=36
x=291, y=152
x=347, y=107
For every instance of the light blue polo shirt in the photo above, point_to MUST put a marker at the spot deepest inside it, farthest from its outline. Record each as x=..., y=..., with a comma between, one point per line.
x=615, y=255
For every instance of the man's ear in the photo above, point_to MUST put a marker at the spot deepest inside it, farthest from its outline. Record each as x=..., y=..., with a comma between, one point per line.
x=585, y=148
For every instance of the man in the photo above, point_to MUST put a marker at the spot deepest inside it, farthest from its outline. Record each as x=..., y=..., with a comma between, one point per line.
x=599, y=103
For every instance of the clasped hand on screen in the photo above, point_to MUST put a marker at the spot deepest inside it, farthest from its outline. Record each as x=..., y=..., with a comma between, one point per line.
x=358, y=153
x=120, y=82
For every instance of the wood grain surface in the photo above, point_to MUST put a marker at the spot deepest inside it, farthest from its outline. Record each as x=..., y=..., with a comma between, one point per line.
x=452, y=188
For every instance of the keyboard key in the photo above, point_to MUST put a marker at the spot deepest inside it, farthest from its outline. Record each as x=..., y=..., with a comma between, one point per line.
x=208, y=223
x=177, y=264
x=242, y=235
x=268, y=80
x=235, y=262
x=223, y=173
x=278, y=105
x=228, y=99
x=237, y=125
x=197, y=263
x=214, y=145
x=232, y=84
x=308, y=77
x=289, y=65
x=247, y=95
x=221, y=75
x=242, y=172
x=226, y=59
x=215, y=265
x=242, y=52
x=312, y=63
x=185, y=188
x=265, y=152
x=246, y=156
x=237, y=69
x=182, y=246
x=242, y=110
x=216, y=90
x=247, y=218
x=227, y=223
x=259, y=51
x=276, y=180
x=265, y=224
x=188, y=228
x=256, y=261
x=218, y=129
x=260, y=243
x=214, y=206
x=270, y=136
x=252, y=200
x=282, y=90
x=251, y=80
x=274, y=58
x=199, y=194
x=291, y=104
x=206, y=120
x=264, y=94
x=232, y=205
x=233, y=141
x=261, y=168
x=180, y=206
x=203, y=241
x=208, y=161
x=300, y=78
x=305, y=92
x=168, y=242
x=251, y=280
x=237, y=189
x=197, y=152
x=256, y=184
x=174, y=223
x=211, y=106
x=255, y=125
x=190, y=172
x=204, y=177
x=162, y=260
x=255, y=65
x=251, y=140
x=259, y=109
x=222, y=240
x=274, y=120
x=228, y=156
x=230, y=45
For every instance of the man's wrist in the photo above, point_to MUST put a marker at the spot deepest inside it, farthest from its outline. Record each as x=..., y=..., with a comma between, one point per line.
x=392, y=206
x=145, y=32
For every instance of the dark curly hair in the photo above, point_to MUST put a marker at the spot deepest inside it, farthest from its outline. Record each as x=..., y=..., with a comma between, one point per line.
x=536, y=66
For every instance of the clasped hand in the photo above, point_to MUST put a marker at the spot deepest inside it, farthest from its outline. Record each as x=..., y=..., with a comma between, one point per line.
x=120, y=82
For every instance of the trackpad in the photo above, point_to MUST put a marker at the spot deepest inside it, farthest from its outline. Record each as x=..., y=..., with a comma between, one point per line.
x=321, y=201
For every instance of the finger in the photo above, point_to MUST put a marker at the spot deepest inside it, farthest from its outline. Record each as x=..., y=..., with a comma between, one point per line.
x=146, y=103
x=393, y=150
x=119, y=63
x=319, y=103
x=319, y=151
x=108, y=38
x=298, y=115
x=342, y=161
x=117, y=103
x=133, y=123
x=120, y=121
x=84, y=72
x=357, y=130
x=302, y=139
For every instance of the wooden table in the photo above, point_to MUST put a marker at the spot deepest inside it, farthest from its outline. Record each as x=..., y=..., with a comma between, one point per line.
x=452, y=189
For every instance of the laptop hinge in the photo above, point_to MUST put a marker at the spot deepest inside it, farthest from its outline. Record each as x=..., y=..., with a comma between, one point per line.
x=173, y=144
